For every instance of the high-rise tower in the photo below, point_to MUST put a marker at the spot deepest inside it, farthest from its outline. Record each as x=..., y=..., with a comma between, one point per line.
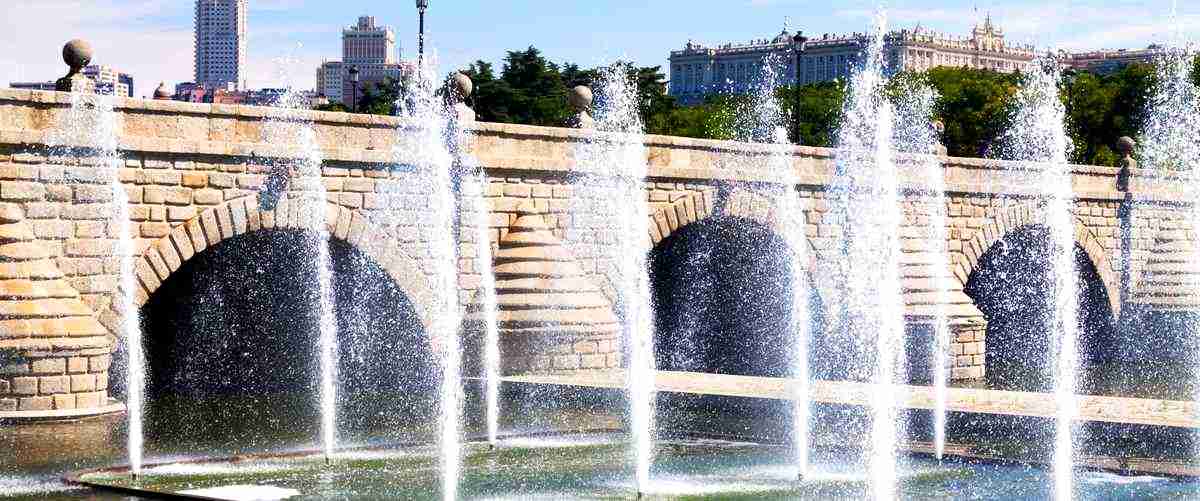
x=220, y=42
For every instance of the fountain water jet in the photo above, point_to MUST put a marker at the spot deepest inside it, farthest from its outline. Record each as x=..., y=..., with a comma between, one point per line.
x=614, y=158
x=307, y=166
x=1168, y=139
x=917, y=136
x=865, y=197
x=1038, y=140
x=424, y=141
x=90, y=130
x=487, y=304
x=764, y=122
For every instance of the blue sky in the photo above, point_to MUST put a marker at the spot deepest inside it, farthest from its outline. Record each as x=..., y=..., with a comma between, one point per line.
x=152, y=39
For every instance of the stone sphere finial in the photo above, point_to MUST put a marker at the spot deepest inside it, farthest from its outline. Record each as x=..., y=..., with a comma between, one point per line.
x=458, y=89
x=1126, y=144
x=162, y=93
x=77, y=54
x=581, y=98
x=461, y=85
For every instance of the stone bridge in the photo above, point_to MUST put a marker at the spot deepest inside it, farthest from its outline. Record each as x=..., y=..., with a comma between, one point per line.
x=196, y=174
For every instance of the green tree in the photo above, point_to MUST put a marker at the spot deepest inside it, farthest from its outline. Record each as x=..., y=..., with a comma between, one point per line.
x=379, y=98
x=820, y=110
x=535, y=93
x=1102, y=108
x=973, y=107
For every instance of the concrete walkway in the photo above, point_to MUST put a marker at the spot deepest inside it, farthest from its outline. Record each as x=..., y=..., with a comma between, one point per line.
x=1013, y=403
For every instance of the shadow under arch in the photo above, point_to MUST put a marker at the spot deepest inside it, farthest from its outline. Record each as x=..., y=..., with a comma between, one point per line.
x=231, y=339
x=721, y=290
x=1012, y=285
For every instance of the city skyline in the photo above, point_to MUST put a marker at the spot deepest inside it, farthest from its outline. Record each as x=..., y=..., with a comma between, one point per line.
x=153, y=39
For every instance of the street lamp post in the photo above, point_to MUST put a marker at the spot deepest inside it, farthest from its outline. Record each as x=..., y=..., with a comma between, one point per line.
x=421, y=6
x=354, y=89
x=799, y=44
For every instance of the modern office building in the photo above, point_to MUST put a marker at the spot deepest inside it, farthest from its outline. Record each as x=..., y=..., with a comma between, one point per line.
x=109, y=80
x=698, y=70
x=371, y=49
x=367, y=43
x=220, y=43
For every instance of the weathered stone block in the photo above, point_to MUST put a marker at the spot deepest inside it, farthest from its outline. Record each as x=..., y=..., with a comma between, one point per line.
x=49, y=385
x=517, y=190
x=53, y=229
x=86, y=193
x=180, y=213
x=22, y=191
x=194, y=179
x=36, y=404
x=83, y=382
x=221, y=180
x=89, y=400
x=59, y=193
x=102, y=381
x=209, y=197
x=48, y=366
x=77, y=365
x=64, y=402
x=163, y=177
x=90, y=247
x=100, y=363
x=359, y=184
x=24, y=386
x=155, y=230
x=23, y=251
x=8, y=404
x=172, y=195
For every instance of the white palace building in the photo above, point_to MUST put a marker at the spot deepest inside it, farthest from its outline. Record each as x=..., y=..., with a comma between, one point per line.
x=697, y=70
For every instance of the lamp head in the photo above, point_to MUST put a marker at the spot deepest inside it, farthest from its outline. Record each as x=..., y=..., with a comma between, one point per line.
x=422, y=5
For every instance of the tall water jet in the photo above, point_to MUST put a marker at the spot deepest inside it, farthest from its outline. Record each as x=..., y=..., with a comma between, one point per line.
x=865, y=198
x=1037, y=139
x=917, y=136
x=614, y=158
x=487, y=305
x=765, y=122
x=303, y=157
x=90, y=130
x=1169, y=143
x=424, y=142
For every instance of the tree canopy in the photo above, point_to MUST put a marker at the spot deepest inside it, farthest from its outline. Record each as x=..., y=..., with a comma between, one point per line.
x=973, y=104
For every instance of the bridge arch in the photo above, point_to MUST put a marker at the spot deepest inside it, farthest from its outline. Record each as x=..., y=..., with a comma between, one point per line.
x=1011, y=220
x=166, y=255
x=694, y=207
